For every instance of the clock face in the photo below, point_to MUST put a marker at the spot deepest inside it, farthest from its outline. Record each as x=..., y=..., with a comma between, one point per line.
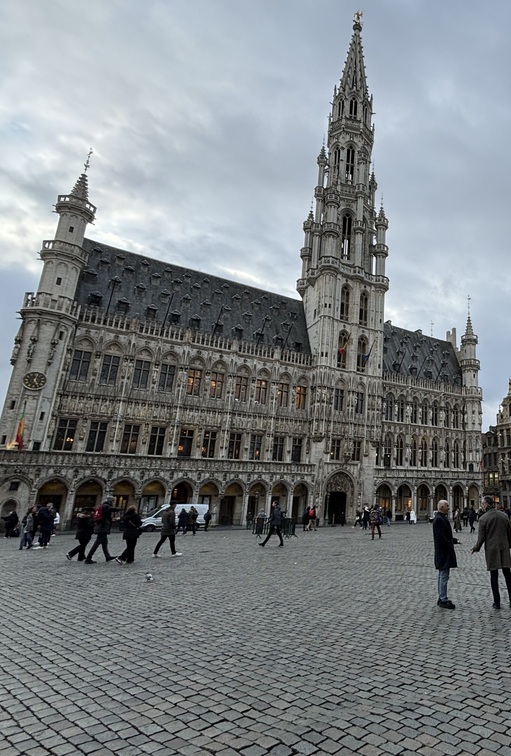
x=34, y=380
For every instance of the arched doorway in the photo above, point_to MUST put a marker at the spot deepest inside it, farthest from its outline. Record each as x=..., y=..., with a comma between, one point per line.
x=279, y=494
x=422, y=502
x=182, y=493
x=440, y=493
x=153, y=495
x=53, y=491
x=403, y=501
x=384, y=497
x=474, y=496
x=208, y=494
x=88, y=495
x=457, y=498
x=339, y=499
x=300, y=500
x=230, y=505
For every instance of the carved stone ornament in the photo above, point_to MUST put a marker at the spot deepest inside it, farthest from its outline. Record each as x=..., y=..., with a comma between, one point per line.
x=340, y=482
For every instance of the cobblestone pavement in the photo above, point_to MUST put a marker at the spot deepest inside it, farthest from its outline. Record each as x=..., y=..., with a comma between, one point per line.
x=332, y=645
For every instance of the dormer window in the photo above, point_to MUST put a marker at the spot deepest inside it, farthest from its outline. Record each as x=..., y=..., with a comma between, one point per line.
x=123, y=306
x=195, y=322
x=95, y=299
x=151, y=312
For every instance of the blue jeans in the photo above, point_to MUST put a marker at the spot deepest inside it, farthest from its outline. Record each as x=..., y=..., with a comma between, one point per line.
x=443, y=579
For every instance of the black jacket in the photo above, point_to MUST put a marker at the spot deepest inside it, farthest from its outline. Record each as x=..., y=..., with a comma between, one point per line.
x=445, y=556
x=132, y=523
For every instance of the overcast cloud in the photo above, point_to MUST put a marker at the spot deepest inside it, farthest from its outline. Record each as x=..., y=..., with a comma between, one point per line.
x=206, y=118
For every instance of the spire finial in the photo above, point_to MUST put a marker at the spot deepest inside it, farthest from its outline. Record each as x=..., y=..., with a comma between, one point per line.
x=357, y=21
x=432, y=324
x=468, y=305
x=87, y=162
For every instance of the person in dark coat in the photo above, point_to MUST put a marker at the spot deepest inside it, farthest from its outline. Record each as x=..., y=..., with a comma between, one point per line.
x=495, y=532
x=102, y=518
x=11, y=521
x=207, y=520
x=445, y=555
x=45, y=520
x=84, y=531
x=275, y=522
x=472, y=517
x=168, y=530
x=131, y=533
x=192, y=519
x=182, y=521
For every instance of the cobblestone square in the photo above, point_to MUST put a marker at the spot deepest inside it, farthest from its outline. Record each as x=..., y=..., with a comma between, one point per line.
x=332, y=645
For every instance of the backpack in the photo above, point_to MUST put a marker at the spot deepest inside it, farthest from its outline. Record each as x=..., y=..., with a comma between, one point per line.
x=98, y=514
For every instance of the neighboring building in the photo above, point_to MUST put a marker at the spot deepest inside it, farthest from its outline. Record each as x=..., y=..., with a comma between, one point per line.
x=141, y=378
x=490, y=464
x=503, y=439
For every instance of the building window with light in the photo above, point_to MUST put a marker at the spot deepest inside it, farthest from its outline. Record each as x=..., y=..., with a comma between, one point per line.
x=234, y=448
x=300, y=397
x=193, y=382
x=255, y=449
x=241, y=388
x=208, y=443
x=65, y=434
x=216, y=385
x=184, y=448
x=129, y=440
x=282, y=394
x=261, y=390
x=336, y=449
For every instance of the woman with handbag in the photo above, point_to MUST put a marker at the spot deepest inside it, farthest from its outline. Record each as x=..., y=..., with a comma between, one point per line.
x=132, y=530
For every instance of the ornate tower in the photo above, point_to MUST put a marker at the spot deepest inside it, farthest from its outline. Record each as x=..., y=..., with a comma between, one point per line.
x=472, y=409
x=343, y=280
x=48, y=318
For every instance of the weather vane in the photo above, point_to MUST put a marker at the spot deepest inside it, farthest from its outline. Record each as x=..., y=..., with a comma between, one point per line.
x=87, y=162
x=468, y=301
x=358, y=17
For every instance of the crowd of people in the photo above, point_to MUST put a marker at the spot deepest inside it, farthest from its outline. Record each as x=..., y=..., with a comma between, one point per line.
x=43, y=519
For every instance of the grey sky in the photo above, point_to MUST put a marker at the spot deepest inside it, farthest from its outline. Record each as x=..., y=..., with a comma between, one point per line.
x=206, y=118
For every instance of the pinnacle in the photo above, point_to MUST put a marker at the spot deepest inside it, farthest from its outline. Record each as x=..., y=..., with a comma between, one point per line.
x=81, y=188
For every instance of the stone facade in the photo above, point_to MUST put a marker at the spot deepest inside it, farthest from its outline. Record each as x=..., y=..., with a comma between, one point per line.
x=141, y=379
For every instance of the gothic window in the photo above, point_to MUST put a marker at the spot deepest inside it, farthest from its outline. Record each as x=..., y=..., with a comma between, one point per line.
x=193, y=381
x=336, y=449
x=447, y=453
x=261, y=390
x=65, y=434
x=109, y=369
x=356, y=451
x=166, y=380
x=283, y=394
x=423, y=457
x=346, y=237
x=241, y=388
x=400, y=450
x=363, y=310
x=387, y=450
x=342, y=348
x=296, y=450
x=156, y=441
x=339, y=399
x=350, y=165
x=400, y=409
x=434, y=453
x=389, y=407
x=424, y=409
x=359, y=403
x=414, y=411
x=234, y=449
x=345, y=303
x=80, y=365
x=256, y=443
x=97, y=435
x=434, y=413
x=300, y=397
x=129, y=440
x=278, y=448
x=447, y=416
x=184, y=448
x=353, y=108
x=209, y=443
x=361, y=354
x=456, y=454
x=141, y=374
x=456, y=416
x=337, y=160
x=413, y=453
x=216, y=385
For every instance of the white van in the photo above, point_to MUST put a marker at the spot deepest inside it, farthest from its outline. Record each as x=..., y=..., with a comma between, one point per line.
x=153, y=519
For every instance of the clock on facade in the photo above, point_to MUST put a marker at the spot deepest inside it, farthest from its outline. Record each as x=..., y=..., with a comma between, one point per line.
x=34, y=380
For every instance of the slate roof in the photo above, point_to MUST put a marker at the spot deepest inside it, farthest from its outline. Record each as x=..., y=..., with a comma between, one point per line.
x=120, y=281
x=413, y=353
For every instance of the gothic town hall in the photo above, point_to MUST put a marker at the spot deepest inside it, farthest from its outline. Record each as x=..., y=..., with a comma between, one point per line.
x=145, y=380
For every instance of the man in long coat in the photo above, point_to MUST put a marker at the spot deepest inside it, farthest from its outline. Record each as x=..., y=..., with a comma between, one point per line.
x=445, y=556
x=495, y=532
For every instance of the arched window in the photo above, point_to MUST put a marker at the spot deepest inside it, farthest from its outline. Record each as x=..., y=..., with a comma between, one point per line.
x=424, y=413
x=400, y=409
x=456, y=454
x=342, y=349
x=434, y=453
x=400, y=450
x=387, y=450
x=337, y=160
x=363, y=310
x=447, y=454
x=353, y=108
x=413, y=453
x=345, y=303
x=346, y=237
x=349, y=174
x=447, y=416
x=389, y=407
x=362, y=354
x=414, y=415
x=423, y=457
x=434, y=413
x=456, y=417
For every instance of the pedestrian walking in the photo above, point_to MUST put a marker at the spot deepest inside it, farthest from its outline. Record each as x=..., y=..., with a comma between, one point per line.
x=84, y=531
x=464, y=516
x=192, y=519
x=376, y=520
x=56, y=521
x=182, y=521
x=27, y=529
x=207, y=520
x=365, y=518
x=275, y=521
x=11, y=524
x=259, y=523
x=457, y=520
x=445, y=555
x=305, y=519
x=388, y=517
x=168, y=530
x=131, y=533
x=494, y=530
x=311, y=516
x=45, y=520
x=102, y=518
x=413, y=517
x=472, y=517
